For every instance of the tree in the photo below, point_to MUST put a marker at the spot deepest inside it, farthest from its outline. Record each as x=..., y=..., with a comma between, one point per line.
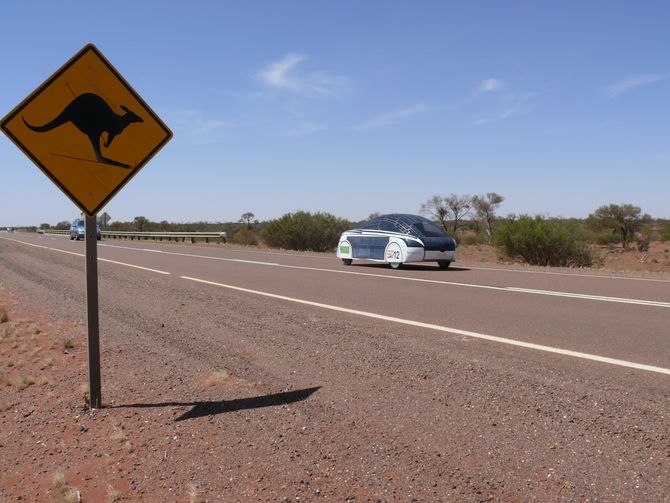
x=63, y=226
x=459, y=206
x=622, y=219
x=453, y=207
x=139, y=223
x=485, y=209
x=44, y=226
x=436, y=208
x=247, y=217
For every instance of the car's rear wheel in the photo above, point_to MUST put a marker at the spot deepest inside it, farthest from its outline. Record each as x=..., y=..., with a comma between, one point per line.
x=71, y=238
x=395, y=265
x=444, y=264
x=347, y=261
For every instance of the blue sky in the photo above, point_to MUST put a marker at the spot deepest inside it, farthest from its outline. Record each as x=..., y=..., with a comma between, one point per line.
x=359, y=107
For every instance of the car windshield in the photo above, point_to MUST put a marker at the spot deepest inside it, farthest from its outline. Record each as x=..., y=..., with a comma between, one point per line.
x=80, y=223
x=429, y=230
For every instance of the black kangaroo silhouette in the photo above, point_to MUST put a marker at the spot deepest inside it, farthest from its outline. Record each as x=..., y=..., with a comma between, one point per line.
x=92, y=116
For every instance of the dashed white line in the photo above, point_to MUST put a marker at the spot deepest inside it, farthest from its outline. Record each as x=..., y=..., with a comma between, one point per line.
x=83, y=255
x=441, y=328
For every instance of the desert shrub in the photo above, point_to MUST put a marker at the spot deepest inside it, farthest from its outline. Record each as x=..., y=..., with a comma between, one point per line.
x=664, y=234
x=642, y=243
x=305, y=231
x=474, y=239
x=244, y=237
x=540, y=241
x=602, y=237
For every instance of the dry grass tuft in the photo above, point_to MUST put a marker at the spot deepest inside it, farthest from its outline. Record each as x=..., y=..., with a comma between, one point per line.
x=21, y=381
x=5, y=406
x=193, y=495
x=68, y=343
x=118, y=435
x=58, y=481
x=46, y=363
x=113, y=495
x=216, y=377
x=65, y=493
x=85, y=394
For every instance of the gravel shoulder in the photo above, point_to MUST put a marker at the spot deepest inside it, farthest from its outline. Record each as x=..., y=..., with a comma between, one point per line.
x=215, y=396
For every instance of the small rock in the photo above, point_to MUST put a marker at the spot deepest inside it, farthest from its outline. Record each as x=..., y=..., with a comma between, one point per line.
x=3, y=315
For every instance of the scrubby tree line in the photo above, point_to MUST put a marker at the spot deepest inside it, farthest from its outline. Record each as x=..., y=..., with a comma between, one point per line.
x=471, y=219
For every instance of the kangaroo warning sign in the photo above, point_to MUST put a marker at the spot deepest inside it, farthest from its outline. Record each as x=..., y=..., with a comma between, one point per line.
x=87, y=129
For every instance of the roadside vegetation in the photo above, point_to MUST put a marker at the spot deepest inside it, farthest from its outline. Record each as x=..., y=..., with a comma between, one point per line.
x=471, y=219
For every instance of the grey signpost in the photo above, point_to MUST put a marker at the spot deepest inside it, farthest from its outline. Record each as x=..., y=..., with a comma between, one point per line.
x=93, y=322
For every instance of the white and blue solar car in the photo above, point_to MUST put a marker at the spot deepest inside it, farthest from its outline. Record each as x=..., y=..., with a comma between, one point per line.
x=397, y=239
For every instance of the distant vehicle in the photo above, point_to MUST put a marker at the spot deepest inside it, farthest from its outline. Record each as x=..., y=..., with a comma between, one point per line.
x=10, y=229
x=78, y=230
x=397, y=239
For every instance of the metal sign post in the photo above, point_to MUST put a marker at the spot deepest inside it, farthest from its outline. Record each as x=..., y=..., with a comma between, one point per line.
x=93, y=325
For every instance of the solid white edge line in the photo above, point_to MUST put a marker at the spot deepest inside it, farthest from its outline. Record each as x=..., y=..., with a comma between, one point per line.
x=440, y=328
x=554, y=273
x=83, y=255
x=585, y=296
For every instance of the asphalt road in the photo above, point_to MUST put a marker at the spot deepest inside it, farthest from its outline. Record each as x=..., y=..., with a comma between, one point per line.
x=599, y=317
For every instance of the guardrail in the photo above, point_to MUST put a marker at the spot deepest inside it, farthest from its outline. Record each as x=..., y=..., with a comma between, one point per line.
x=220, y=237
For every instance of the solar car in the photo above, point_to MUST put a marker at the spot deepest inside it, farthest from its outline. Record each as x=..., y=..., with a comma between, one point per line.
x=396, y=239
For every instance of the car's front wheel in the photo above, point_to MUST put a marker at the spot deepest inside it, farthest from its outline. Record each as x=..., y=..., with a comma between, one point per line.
x=444, y=264
x=347, y=261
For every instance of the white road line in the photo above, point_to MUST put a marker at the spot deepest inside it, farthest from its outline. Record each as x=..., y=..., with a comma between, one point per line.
x=134, y=266
x=555, y=273
x=441, y=328
x=83, y=255
x=621, y=300
x=580, y=296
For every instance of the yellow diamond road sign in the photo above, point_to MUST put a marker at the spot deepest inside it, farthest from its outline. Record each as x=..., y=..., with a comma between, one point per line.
x=87, y=130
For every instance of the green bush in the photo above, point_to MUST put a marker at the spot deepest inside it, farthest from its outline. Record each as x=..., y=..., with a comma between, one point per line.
x=244, y=237
x=665, y=234
x=539, y=241
x=305, y=231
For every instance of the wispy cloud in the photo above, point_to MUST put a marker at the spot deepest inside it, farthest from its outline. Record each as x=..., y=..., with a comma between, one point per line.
x=303, y=129
x=192, y=127
x=390, y=118
x=513, y=105
x=633, y=82
x=489, y=85
x=285, y=74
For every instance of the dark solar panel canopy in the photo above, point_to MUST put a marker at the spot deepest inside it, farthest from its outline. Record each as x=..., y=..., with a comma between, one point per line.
x=397, y=222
